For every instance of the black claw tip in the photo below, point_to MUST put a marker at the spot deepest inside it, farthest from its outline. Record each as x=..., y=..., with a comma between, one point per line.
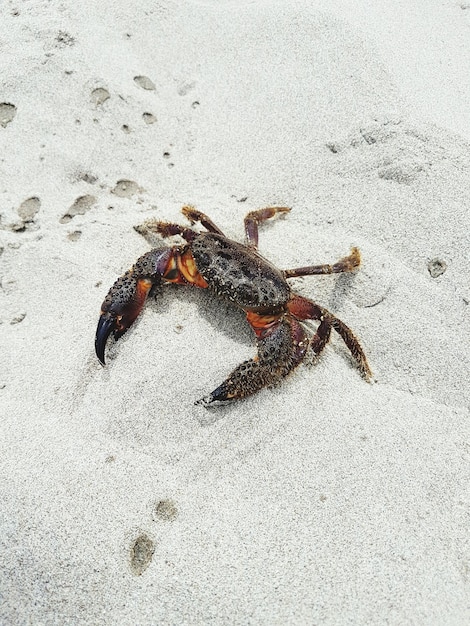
x=216, y=398
x=106, y=325
x=204, y=401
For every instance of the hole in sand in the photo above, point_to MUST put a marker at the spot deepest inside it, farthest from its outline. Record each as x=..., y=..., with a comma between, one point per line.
x=149, y=118
x=99, y=95
x=29, y=208
x=7, y=113
x=145, y=83
x=125, y=188
x=436, y=267
x=75, y=235
x=166, y=510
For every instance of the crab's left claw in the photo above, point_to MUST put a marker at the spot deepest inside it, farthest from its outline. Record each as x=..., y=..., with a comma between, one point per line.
x=120, y=308
x=106, y=325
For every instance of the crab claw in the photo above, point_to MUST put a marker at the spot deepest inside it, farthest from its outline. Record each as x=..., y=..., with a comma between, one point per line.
x=281, y=347
x=106, y=325
x=218, y=396
x=120, y=308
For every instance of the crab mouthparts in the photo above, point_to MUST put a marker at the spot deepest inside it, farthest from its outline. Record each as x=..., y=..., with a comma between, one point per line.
x=106, y=325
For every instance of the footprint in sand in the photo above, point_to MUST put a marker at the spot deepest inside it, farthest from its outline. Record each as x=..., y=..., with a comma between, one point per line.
x=142, y=551
x=81, y=205
x=28, y=209
x=145, y=83
x=149, y=118
x=99, y=96
x=126, y=188
x=165, y=510
x=7, y=113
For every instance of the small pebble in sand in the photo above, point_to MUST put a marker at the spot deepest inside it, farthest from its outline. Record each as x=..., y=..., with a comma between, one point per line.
x=436, y=267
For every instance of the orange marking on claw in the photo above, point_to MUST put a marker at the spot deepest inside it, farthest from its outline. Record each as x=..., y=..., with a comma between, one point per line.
x=135, y=306
x=143, y=287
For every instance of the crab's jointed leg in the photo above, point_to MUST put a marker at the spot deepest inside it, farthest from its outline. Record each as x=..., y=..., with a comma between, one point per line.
x=255, y=217
x=165, y=229
x=304, y=309
x=346, y=264
x=193, y=215
x=282, y=344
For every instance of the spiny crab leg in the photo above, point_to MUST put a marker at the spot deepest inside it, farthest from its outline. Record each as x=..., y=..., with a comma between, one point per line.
x=346, y=264
x=304, y=309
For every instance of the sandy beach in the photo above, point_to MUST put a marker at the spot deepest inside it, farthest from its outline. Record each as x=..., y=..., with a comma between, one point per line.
x=325, y=500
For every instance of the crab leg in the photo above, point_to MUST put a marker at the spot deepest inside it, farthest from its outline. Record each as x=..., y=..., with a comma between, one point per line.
x=282, y=344
x=346, y=264
x=304, y=309
x=165, y=229
x=193, y=215
x=255, y=217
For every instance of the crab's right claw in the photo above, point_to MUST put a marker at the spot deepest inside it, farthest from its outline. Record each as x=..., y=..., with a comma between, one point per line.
x=281, y=347
x=120, y=308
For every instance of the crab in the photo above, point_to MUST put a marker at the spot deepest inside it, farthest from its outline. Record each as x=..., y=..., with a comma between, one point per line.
x=236, y=272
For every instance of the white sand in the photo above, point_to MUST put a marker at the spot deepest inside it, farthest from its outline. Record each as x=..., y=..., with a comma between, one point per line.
x=325, y=500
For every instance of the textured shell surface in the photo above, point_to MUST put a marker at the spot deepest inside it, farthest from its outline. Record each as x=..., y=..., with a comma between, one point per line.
x=239, y=273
